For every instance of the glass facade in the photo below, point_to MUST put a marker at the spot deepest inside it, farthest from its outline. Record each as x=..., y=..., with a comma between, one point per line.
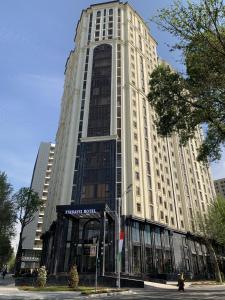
x=100, y=96
x=96, y=173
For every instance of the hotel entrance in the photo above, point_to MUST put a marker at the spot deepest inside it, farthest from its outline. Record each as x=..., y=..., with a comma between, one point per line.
x=90, y=246
x=82, y=235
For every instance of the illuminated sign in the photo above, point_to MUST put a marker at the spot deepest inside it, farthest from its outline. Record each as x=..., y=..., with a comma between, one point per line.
x=80, y=211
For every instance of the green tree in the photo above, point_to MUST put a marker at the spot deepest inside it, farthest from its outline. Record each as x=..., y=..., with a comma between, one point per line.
x=211, y=228
x=73, y=277
x=185, y=101
x=27, y=203
x=216, y=220
x=7, y=219
x=42, y=277
x=11, y=263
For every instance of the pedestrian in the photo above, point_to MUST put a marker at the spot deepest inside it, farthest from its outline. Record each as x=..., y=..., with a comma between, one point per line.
x=4, y=272
x=180, y=283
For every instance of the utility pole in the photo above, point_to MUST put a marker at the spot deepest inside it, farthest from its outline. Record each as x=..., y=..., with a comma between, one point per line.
x=96, y=266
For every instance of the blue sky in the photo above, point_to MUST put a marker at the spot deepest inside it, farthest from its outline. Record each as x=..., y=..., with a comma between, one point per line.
x=35, y=40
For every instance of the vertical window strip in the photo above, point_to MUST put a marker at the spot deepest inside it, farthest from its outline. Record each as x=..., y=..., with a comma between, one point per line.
x=80, y=125
x=90, y=27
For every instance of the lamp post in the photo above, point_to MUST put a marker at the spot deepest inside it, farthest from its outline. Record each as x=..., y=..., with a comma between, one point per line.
x=118, y=223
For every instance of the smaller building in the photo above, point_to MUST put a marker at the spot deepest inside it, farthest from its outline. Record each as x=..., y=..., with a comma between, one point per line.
x=220, y=187
x=32, y=243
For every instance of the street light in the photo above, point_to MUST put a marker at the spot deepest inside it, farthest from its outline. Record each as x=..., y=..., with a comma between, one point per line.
x=118, y=223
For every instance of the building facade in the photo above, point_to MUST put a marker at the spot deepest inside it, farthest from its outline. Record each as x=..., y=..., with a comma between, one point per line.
x=32, y=243
x=220, y=187
x=109, y=160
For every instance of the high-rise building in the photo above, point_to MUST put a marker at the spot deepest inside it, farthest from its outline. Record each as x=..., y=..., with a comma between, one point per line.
x=220, y=187
x=110, y=160
x=32, y=243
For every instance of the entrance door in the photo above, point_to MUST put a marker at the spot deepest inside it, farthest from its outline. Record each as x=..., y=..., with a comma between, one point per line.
x=91, y=236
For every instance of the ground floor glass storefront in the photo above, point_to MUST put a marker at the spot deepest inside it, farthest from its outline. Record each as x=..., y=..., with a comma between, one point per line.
x=150, y=250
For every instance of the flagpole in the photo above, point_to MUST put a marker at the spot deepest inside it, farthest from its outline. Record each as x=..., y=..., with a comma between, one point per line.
x=119, y=255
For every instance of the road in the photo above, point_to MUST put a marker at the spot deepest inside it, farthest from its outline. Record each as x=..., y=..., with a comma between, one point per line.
x=9, y=292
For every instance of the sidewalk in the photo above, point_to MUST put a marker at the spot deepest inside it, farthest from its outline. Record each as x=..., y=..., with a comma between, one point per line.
x=8, y=282
x=172, y=285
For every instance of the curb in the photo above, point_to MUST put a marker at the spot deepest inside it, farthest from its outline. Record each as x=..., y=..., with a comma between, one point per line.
x=107, y=294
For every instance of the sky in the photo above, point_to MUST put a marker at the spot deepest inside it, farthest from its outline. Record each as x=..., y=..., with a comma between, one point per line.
x=35, y=40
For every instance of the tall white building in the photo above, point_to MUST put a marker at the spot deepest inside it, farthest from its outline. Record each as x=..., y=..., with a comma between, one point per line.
x=107, y=148
x=220, y=187
x=32, y=242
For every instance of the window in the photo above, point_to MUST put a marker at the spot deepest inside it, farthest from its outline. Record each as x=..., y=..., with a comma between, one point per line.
x=138, y=207
x=150, y=197
x=137, y=176
x=110, y=11
x=136, y=161
x=137, y=190
x=148, y=168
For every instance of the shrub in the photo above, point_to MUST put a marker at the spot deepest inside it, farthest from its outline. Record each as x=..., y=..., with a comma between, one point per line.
x=42, y=277
x=73, y=277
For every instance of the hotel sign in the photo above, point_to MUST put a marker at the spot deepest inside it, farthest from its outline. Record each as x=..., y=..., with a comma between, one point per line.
x=80, y=211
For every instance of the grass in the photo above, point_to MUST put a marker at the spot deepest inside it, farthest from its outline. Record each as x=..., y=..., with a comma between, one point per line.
x=62, y=288
x=103, y=290
x=83, y=289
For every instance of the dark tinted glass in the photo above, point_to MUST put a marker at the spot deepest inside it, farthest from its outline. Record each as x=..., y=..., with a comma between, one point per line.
x=100, y=96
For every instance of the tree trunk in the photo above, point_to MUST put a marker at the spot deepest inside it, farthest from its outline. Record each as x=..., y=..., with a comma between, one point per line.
x=215, y=262
x=19, y=254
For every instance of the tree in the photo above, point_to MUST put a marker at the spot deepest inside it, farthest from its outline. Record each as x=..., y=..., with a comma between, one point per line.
x=6, y=250
x=73, y=277
x=27, y=202
x=216, y=220
x=42, y=277
x=185, y=101
x=212, y=228
x=11, y=263
x=7, y=219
